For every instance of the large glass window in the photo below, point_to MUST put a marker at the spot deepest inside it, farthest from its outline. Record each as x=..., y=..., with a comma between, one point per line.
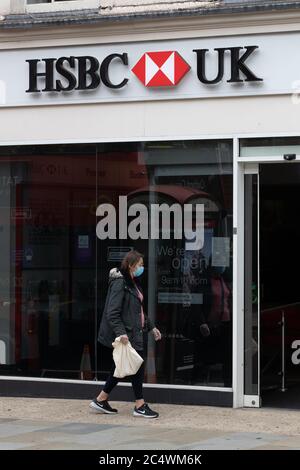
x=54, y=269
x=47, y=266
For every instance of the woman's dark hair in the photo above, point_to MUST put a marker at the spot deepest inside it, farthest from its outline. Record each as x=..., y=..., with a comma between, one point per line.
x=130, y=259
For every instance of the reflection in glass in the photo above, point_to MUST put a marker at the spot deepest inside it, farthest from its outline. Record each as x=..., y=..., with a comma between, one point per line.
x=54, y=270
x=47, y=268
x=188, y=291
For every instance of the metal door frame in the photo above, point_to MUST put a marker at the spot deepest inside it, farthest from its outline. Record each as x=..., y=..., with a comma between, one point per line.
x=241, y=167
x=254, y=401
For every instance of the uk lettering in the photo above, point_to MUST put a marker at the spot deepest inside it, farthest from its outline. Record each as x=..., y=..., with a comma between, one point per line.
x=84, y=73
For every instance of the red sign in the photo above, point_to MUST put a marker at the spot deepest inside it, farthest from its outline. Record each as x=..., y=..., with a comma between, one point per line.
x=165, y=68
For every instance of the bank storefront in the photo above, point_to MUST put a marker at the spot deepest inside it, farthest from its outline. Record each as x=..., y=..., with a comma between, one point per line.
x=207, y=122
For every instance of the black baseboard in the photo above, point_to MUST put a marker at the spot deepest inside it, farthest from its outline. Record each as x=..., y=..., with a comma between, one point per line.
x=86, y=391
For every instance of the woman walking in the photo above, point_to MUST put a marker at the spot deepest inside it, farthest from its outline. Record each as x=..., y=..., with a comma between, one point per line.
x=124, y=317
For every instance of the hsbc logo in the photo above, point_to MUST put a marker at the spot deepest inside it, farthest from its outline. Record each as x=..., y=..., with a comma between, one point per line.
x=165, y=68
x=153, y=69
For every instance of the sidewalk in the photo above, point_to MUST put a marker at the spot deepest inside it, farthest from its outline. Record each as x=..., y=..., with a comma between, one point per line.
x=27, y=423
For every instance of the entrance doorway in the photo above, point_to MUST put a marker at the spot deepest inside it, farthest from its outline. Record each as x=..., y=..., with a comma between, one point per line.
x=272, y=282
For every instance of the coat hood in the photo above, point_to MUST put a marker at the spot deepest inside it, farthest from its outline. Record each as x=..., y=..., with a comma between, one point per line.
x=115, y=273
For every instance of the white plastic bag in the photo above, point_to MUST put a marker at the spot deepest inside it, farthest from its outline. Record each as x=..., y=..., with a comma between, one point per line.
x=126, y=358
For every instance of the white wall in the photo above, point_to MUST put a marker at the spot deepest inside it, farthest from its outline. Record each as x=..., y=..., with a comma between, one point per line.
x=4, y=7
x=12, y=7
x=61, y=5
x=17, y=6
x=153, y=120
x=117, y=7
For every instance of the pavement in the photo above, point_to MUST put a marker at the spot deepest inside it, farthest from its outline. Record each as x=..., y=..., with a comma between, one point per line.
x=49, y=424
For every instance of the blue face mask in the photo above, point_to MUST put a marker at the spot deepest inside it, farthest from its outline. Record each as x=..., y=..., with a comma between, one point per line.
x=139, y=271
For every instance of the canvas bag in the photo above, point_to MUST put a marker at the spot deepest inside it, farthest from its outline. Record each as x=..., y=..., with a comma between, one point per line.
x=126, y=358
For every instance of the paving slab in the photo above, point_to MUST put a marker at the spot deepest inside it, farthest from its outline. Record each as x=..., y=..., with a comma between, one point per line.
x=286, y=422
x=68, y=424
x=14, y=445
x=236, y=441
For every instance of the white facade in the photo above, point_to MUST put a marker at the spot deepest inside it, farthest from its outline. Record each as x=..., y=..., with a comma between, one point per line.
x=261, y=115
x=198, y=118
x=106, y=7
x=5, y=7
x=139, y=121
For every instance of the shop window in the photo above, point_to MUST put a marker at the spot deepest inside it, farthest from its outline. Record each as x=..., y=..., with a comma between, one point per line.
x=48, y=267
x=54, y=268
x=188, y=288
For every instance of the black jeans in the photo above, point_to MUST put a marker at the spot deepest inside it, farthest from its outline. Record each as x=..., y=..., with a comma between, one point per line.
x=136, y=379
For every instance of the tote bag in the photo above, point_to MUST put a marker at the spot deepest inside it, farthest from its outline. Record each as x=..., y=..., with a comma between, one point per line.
x=127, y=359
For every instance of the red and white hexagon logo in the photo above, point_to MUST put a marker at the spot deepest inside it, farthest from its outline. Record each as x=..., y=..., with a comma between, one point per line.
x=156, y=69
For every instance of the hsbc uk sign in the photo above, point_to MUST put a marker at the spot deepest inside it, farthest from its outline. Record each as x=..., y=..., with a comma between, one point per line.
x=175, y=69
x=155, y=69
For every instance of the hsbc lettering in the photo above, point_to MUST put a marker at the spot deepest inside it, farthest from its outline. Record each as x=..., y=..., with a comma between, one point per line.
x=89, y=73
x=153, y=69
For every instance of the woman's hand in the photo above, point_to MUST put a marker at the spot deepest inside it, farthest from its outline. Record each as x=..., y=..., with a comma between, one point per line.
x=124, y=339
x=157, y=334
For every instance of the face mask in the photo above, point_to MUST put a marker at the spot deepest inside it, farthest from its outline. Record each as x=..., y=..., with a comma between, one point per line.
x=139, y=271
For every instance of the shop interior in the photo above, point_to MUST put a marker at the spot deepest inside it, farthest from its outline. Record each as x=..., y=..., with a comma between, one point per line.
x=279, y=284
